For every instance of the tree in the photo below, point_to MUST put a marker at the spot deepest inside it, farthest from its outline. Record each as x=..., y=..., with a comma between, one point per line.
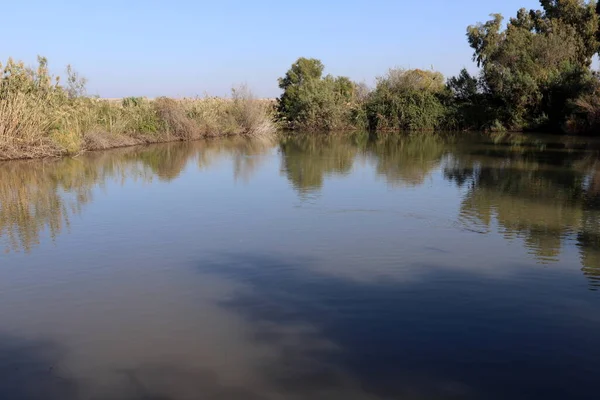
x=464, y=87
x=539, y=64
x=467, y=106
x=303, y=70
x=311, y=101
x=578, y=14
x=302, y=74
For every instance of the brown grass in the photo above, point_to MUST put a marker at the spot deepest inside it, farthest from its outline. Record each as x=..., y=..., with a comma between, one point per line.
x=250, y=113
x=178, y=124
x=40, y=118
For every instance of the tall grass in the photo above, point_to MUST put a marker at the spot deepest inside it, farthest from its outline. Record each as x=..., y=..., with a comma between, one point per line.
x=39, y=117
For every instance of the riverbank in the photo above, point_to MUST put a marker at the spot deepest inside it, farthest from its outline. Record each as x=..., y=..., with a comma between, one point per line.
x=39, y=117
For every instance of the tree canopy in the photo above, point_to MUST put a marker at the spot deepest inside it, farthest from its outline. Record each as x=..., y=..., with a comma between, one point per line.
x=535, y=73
x=537, y=66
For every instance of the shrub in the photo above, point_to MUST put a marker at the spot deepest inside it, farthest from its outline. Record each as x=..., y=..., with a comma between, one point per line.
x=313, y=102
x=406, y=100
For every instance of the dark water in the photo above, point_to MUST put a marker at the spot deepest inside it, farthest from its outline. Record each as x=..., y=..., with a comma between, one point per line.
x=440, y=267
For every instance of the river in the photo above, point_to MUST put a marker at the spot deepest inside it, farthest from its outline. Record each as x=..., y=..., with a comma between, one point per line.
x=305, y=267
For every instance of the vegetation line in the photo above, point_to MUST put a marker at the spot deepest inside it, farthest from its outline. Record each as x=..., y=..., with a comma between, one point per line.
x=535, y=74
x=39, y=117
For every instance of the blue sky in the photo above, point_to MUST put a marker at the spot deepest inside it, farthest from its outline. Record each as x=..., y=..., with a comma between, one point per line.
x=186, y=48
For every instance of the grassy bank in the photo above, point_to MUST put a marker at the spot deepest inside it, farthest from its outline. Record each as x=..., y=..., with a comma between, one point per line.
x=42, y=117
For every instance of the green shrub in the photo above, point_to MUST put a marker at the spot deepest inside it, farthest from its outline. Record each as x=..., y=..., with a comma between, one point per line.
x=313, y=102
x=406, y=100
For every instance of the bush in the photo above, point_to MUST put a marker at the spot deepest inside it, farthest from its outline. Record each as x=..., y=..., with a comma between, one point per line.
x=313, y=102
x=406, y=100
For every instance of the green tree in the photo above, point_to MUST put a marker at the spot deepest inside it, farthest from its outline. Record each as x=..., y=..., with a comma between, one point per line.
x=302, y=74
x=313, y=102
x=539, y=64
x=467, y=106
x=578, y=14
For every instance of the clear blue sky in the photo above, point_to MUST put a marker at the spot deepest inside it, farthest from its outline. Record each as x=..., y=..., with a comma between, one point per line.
x=186, y=47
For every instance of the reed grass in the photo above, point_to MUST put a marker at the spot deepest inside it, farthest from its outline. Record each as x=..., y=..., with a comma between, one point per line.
x=39, y=117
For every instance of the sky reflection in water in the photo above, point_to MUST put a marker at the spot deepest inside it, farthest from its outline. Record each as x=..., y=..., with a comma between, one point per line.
x=447, y=266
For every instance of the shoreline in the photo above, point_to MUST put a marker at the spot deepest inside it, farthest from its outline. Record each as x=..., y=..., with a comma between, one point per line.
x=140, y=139
x=132, y=142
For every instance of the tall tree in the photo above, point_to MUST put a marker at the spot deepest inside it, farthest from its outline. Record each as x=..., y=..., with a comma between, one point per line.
x=539, y=63
x=578, y=14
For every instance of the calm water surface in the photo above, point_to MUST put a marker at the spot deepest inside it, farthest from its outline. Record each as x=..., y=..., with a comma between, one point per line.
x=439, y=267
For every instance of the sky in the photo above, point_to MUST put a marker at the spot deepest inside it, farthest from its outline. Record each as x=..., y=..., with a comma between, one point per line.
x=186, y=48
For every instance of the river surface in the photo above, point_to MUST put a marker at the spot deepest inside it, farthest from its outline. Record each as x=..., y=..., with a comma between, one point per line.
x=313, y=267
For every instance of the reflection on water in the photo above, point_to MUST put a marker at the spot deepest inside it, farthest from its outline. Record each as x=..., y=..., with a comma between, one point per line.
x=401, y=160
x=329, y=155
x=547, y=197
x=307, y=267
x=408, y=160
x=38, y=195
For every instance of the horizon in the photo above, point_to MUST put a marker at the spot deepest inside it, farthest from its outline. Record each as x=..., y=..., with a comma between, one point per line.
x=187, y=49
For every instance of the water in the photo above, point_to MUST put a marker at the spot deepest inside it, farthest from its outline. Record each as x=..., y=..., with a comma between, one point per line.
x=440, y=267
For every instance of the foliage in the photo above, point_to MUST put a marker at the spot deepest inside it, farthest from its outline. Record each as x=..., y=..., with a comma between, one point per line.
x=39, y=117
x=252, y=116
x=313, y=102
x=33, y=108
x=535, y=74
x=403, y=99
x=535, y=68
x=585, y=117
x=406, y=100
x=468, y=106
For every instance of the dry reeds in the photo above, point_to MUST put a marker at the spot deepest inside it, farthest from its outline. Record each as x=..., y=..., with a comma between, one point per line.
x=176, y=120
x=251, y=115
x=41, y=118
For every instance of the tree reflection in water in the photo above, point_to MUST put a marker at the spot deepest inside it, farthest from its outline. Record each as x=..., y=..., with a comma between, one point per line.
x=44, y=195
x=545, y=191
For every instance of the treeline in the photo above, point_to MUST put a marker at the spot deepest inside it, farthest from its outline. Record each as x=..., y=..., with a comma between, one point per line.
x=534, y=74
